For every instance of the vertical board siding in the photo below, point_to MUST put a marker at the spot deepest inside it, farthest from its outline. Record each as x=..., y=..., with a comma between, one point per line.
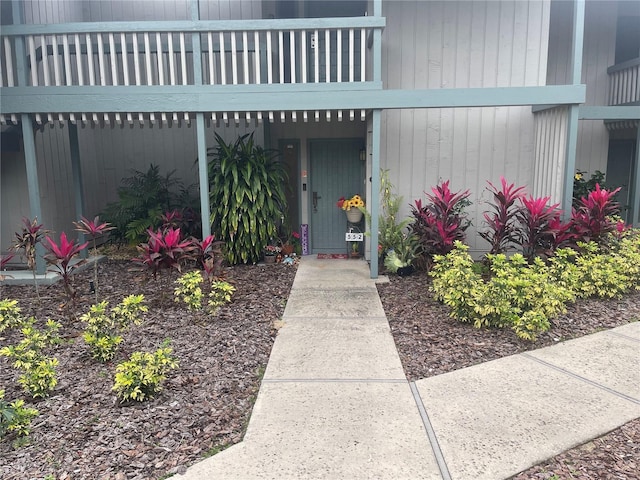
x=462, y=44
x=550, y=153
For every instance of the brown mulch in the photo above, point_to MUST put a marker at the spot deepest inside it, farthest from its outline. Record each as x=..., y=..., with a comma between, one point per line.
x=431, y=343
x=83, y=432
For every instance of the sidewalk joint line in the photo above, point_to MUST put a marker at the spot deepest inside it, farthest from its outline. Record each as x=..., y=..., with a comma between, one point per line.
x=584, y=379
x=431, y=434
x=334, y=380
x=623, y=336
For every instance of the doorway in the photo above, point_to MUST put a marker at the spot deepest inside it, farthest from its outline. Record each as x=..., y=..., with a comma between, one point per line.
x=335, y=171
x=620, y=162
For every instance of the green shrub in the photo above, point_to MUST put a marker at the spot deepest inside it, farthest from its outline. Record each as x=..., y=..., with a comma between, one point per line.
x=142, y=375
x=189, y=290
x=103, y=330
x=607, y=274
x=247, y=197
x=15, y=417
x=9, y=314
x=39, y=375
x=220, y=294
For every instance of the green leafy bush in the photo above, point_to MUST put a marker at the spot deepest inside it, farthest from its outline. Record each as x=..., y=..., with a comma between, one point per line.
x=247, y=197
x=39, y=375
x=15, y=417
x=9, y=314
x=189, y=290
x=220, y=294
x=142, y=375
x=103, y=330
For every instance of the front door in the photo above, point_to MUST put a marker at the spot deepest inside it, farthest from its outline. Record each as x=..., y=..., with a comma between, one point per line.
x=335, y=171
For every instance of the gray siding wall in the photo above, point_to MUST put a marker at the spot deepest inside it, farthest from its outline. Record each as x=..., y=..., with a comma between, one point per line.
x=461, y=44
x=598, y=55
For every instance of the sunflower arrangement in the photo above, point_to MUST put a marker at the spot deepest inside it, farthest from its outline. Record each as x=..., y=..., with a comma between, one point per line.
x=354, y=202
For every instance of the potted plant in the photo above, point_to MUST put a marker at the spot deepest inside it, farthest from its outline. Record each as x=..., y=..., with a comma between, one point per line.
x=400, y=259
x=270, y=253
x=352, y=207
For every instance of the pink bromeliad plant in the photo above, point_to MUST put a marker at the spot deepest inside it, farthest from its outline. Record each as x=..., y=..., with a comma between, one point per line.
x=592, y=218
x=501, y=220
x=536, y=236
x=60, y=256
x=441, y=221
x=94, y=229
x=164, y=250
x=209, y=255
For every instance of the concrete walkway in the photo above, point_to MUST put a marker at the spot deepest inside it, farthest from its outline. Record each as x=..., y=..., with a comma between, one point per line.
x=335, y=404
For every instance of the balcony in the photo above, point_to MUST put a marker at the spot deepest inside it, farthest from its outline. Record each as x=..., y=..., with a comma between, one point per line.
x=172, y=69
x=624, y=83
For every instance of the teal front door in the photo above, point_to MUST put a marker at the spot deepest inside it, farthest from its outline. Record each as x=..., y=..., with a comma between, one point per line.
x=335, y=171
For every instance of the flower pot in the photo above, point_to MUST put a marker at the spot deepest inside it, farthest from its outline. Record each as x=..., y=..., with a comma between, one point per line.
x=269, y=259
x=405, y=271
x=353, y=215
x=287, y=249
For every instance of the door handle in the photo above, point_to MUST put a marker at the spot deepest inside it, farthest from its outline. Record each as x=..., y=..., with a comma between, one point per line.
x=315, y=201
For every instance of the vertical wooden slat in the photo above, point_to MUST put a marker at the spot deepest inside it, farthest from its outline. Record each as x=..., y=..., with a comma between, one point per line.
x=68, y=77
x=33, y=66
x=327, y=56
x=101, y=69
x=223, y=60
x=57, y=74
x=303, y=51
x=2, y=119
x=183, y=59
x=256, y=53
x=363, y=56
x=339, y=55
x=8, y=57
x=211, y=58
x=234, y=59
x=125, y=58
x=316, y=59
x=269, y=59
x=245, y=57
x=136, y=60
x=147, y=58
x=76, y=42
x=280, y=56
x=351, y=55
x=159, y=56
x=292, y=54
x=45, y=61
x=114, y=59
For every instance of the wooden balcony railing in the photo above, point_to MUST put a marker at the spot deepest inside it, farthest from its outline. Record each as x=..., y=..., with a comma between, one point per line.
x=624, y=83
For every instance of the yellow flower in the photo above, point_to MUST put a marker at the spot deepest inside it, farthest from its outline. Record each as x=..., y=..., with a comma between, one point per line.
x=578, y=176
x=353, y=202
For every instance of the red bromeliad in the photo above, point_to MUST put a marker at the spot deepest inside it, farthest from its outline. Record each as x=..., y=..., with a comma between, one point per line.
x=164, y=250
x=592, y=217
x=501, y=221
x=536, y=236
x=60, y=256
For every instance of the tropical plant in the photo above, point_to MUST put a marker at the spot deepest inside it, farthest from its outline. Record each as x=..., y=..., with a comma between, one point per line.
x=593, y=216
x=4, y=260
x=142, y=375
x=27, y=240
x=208, y=253
x=10, y=316
x=442, y=221
x=164, y=250
x=15, y=417
x=403, y=254
x=60, y=256
x=94, y=229
x=247, y=194
x=38, y=376
x=220, y=294
x=582, y=186
x=536, y=236
x=501, y=220
x=143, y=198
x=189, y=290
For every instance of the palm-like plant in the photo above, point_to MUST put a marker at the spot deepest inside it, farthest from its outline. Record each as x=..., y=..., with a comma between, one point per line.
x=501, y=220
x=27, y=240
x=94, y=229
x=60, y=256
x=247, y=194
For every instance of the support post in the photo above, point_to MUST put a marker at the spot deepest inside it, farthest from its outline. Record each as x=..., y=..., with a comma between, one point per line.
x=572, y=117
x=76, y=170
x=201, y=139
x=375, y=190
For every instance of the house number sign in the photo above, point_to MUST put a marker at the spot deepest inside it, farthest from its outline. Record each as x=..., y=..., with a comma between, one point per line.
x=354, y=237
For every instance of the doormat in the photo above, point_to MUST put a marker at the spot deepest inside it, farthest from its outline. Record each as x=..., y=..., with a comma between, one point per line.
x=324, y=256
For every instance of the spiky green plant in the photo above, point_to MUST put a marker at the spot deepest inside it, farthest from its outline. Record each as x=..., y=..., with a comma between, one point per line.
x=247, y=190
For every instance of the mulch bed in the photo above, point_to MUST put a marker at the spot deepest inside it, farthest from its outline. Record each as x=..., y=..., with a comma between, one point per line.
x=83, y=432
x=431, y=343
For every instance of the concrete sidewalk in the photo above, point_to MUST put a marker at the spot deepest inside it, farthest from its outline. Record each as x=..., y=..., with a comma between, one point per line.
x=335, y=404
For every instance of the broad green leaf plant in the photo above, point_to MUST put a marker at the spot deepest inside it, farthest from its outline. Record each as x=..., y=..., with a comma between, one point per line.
x=247, y=191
